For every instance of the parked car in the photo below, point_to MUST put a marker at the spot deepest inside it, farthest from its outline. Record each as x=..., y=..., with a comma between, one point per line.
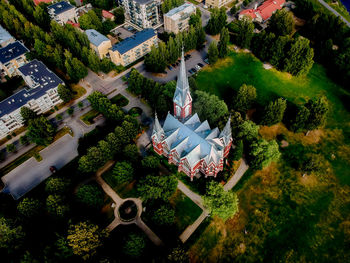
x=201, y=65
x=194, y=70
x=174, y=65
x=206, y=60
x=177, y=63
x=170, y=67
x=190, y=71
x=53, y=169
x=198, y=67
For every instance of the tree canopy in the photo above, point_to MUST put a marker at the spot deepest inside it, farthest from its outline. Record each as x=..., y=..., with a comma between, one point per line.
x=281, y=22
x=245, y=98
x=123, y=172
x=11, y=236
x=157, y=187
x=164, y=216
x=41, y=131
x=27, y=114
x=90, y=195
x=217, y=20
x=134, y=245
x=273, y=112
x=262, y=153
x=243, y=31
x=29, y=207
x=213, y=53
x=65, y=93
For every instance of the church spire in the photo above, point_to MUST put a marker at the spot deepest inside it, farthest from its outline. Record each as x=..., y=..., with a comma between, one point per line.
x=226, y=133
x=182, y=97
x=157, y=129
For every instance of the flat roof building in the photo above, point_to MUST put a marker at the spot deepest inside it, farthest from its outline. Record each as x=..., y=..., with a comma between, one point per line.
x=134, y=47
x=40, y=96
x=62, y=11
x=176, y=20
x=12, y=57
x=5, y=37
x=98, y=42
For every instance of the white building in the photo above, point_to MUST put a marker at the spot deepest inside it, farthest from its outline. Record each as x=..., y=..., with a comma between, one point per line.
x=177, y=19
x=62, y=12
x=142, y=13
x=5, y=37
x=40, y=96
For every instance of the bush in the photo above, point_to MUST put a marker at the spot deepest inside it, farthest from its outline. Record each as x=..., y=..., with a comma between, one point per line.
x=123, y=172
x=90, y=195
x=55, y=185
x=29, y=207
x=164, y=216
x=134, y=245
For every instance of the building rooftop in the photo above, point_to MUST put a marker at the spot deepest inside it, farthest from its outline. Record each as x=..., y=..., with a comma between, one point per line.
x=37, y=2
x=142, y=2
x=4, y=35
x=60, y=7
x=95, y=37
x=39, y=79
x=107, y=14
x=176, y=12
x=266, y=10
x=133, y=41
x=12, y=51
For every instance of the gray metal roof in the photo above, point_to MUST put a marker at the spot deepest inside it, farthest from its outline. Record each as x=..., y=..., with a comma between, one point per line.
x=60, y=7
x=4, y=35
x=95, y=37
x=182, y=94
x=12, y=51
x=39, y=74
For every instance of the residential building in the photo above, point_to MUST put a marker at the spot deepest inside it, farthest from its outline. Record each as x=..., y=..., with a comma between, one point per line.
x=5, y=37
x=263, y=12
x=142, y=13
x=176, y=20
x=186, y=141
x=40, y=95
x=107, y=15
x=37, y=2
x=12, y=57
x=217, y=3
x=62, y=11
x=134, y=47
x=98, y=42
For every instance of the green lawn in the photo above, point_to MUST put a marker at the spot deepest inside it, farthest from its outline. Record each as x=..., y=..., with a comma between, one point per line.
x=243, y=68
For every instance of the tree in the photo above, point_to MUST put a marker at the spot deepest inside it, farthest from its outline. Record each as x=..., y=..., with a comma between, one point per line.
x=238, y=151
x=273, y=112
x=164, y=216
x=219, y=202
x=209, y=106
x=10, y=148
x=318, y=108
x=178, y=255
x=24, y=140
x=131, y=152
x=313, y=162
x=28, y=114
x=213, y=53
x=217, y=20
x=151, y=162
x=29, y=207
x=11, y=236
x=281, y=22
x=243, y=32
x=84, y=239
x=157, y=187
x=301, y=118
x=119, y=15
x=248, y=131
x=234, y=9
x=134, y=245
x=223, y=43
x=262, y=153
x=167, y=5
x=41, y=131
x=245, y=98
x=90, y=20
x=90, y=195
x=65, y=93
x=57, y=185
x=195, y=18
x=299, y=58
x=92, y=160
x=278, y=51
x=56, y=207
x=123, y=172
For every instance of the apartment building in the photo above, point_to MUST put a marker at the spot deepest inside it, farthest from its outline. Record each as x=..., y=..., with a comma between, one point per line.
x=40, y=95
x=217, y=3
x=98, y=42
x=12, y=57
x=177, y=19
x=134, y=47
x=5, y=37
x=62, y=11
x=142, y=13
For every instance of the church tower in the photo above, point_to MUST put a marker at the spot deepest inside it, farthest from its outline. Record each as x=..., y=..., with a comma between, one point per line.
x=182, y=98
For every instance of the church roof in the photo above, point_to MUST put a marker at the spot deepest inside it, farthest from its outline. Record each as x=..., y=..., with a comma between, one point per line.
x=182, y=93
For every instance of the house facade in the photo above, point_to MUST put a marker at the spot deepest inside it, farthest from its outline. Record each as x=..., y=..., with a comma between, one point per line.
x=187, y=142
x=177, y=19
x=12, y=57
x=134, y=47
x=262, y=13
x=142, y=13
x=40, y=95
x=217, y=3
x=98, y=42
x=62, y=12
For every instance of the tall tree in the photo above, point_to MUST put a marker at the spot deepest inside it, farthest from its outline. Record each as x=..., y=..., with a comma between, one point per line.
x=281, y=22
x=56, y=206
x=245, y=98
x=217, y=20
x=134, y=245
x=27, y=114
x=243, y=32
x=41, y=131
x=248, y=131
x=213, y=53
x=123, y=172
x=164, y=216
x=11, y=236
x=318, y=108
x=157, y=187
x=262, y=153
x=223, y=43
x=221, y=203
x=119, y=15
x=90, y=195
x=273, y=112
x=29, y=207
x=65, y=93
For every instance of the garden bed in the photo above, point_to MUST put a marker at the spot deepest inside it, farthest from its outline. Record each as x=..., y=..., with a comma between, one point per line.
x=120, y=100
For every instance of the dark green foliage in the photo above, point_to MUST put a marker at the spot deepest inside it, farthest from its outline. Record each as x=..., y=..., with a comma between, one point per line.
x=29, y=207
x=28, y=114
x=234, y=9
x=40, y=131
x=119, y=15
x=262, y=153
x=318, y=108
x=10, y=148
x=195, y=19
x=134, y=245
x=11, y=236
x=178, y=255
x=245, y=98
x=90, y=195
x=123, y=172
x=164, y=216
x=131, y=153
x=90, y=20
x=65, y=93
x=74, y=67
x=217, y=20
x=223, y=43
x=238, y=151
x=167, y=5
x=242, y=32
x=150, y=162
x=57, y=185
x=70, y=110
x=247, y=131
x=24, y=140
x=281, y=23
x=103, y=4
x=301, y=118
x=209, y=107
x=157, y=187
x=273, y=112
x=56, y=206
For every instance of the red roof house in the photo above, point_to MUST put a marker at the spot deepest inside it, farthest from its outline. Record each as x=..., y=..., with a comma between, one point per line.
x=263, y=12
x=36, y=2
x=73, y=24
x=107, y=15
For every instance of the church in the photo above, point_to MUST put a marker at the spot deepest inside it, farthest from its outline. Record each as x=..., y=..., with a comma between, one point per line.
x=186, y=141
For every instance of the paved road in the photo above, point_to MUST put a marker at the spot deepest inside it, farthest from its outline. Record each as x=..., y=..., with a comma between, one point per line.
x=334, y=12
x=243, y=167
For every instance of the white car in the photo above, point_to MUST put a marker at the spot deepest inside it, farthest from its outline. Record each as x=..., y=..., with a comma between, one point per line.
x=198, y=67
